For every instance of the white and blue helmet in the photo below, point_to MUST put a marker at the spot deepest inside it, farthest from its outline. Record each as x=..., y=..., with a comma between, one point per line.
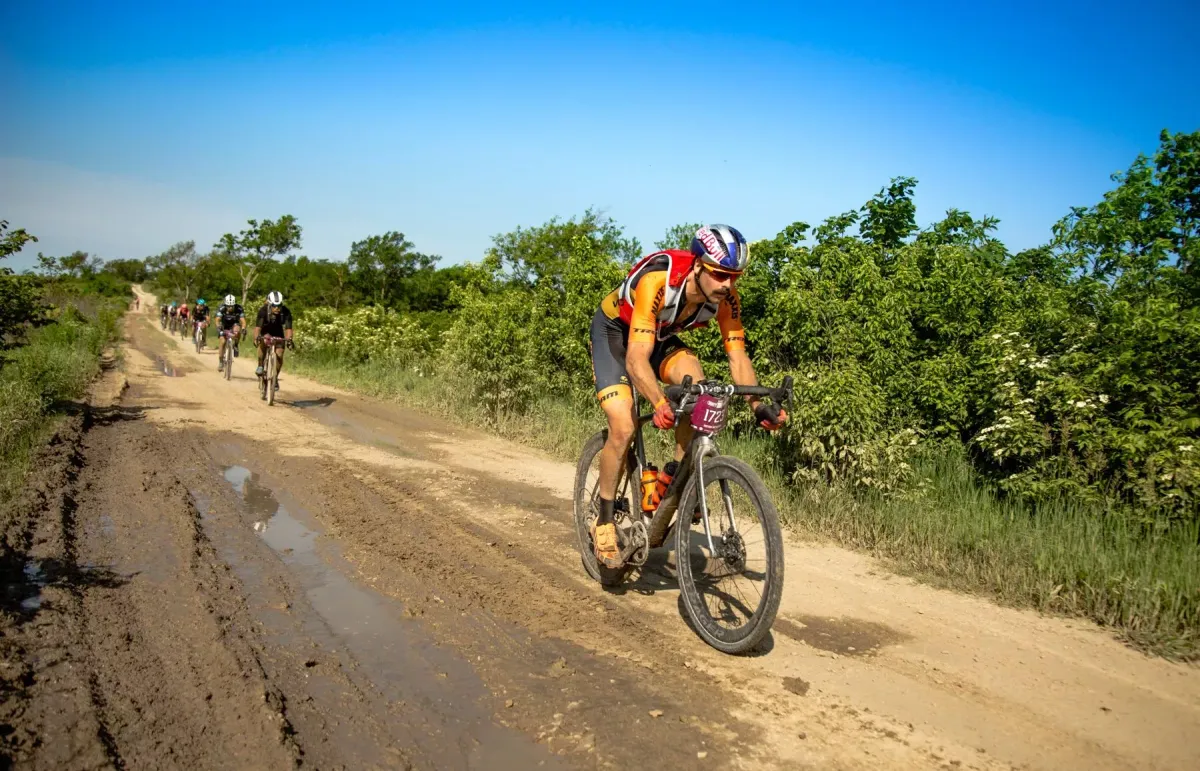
x=721, y=247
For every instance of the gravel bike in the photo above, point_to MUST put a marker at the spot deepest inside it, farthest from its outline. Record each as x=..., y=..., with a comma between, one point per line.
x=227, y=353
x=728, y=544
x=200, y=334
x=266, y=381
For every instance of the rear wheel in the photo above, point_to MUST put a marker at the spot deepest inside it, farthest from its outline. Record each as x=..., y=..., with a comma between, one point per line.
x=731, y=590
x=587, y=508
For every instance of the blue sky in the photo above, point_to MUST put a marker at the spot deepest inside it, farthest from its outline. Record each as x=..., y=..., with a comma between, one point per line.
x=129, y=126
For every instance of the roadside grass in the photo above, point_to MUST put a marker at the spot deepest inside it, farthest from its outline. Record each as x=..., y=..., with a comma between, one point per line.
x=955, y=530
x=38, y=380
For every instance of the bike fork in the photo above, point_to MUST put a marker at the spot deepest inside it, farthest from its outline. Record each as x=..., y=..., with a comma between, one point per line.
x=705, y=447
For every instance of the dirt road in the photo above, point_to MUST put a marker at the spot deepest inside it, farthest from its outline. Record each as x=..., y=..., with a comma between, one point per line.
x=338, y=582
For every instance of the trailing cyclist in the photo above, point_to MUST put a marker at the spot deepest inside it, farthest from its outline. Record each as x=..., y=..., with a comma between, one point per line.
x=162, y=315
x=231, y=320
x=200, y=316
x=173, y=314
x=183, y=319
x=633, y=342
x=274, y=319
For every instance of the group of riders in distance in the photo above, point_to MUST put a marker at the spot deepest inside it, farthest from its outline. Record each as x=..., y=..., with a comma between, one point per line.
x=272, y=332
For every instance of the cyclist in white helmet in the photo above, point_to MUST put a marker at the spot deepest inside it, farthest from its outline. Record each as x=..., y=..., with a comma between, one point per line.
x=231, y=318
x=273, y=319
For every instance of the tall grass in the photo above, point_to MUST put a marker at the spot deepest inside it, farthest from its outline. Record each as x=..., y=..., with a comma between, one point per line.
x=38, y=379
x=1057, y=557
x=953, y=530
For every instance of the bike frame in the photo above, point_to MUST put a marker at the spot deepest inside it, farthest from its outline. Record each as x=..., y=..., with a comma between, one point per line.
x=701, y=447
x=271, y=360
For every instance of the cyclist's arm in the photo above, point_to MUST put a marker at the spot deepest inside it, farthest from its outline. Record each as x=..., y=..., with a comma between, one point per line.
x=259, y=322
x=287, y=323
x=642, y=335
x=729, y=319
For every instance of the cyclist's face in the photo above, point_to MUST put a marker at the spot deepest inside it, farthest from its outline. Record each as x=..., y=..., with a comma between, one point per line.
x=716, y=283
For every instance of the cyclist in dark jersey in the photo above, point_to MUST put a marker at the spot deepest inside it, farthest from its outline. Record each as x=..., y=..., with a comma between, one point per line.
x=274, y=319
x=232, y=320
x=634, y=345
x=200, y=316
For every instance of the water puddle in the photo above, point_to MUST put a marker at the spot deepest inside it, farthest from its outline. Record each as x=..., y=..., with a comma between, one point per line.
x=35, y=581
x=166, y=367
x=403, y=661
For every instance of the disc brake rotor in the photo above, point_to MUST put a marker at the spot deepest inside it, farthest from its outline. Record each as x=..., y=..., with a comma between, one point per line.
x=733, y=549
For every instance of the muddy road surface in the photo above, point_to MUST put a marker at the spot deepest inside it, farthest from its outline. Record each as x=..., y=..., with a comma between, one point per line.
x=197, y=580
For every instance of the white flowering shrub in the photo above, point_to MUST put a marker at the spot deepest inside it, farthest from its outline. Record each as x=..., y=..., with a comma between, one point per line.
x=1050, y=434
x=361, y=334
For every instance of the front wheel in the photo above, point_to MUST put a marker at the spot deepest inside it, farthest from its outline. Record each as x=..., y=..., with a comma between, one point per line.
x=271, y=377
x=227, y=354
x=587, y=507
x=730, y=576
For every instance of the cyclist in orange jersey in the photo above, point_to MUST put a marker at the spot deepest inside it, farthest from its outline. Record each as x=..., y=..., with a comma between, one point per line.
x=633, y=342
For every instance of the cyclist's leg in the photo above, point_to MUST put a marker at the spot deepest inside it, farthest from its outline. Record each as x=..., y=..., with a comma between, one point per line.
x=607, y=346
x=673, y=361
x=262, y=355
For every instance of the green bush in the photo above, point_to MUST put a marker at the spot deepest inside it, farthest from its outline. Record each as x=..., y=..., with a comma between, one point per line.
x=1068, y=372
x=55, y=365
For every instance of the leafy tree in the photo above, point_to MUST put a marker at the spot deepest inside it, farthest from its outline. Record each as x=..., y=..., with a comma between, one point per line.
x=181, y=267
x=678, y=236
x=74, y=265
x=891, y=216
x=252, y=250
x=13, y=241
x=305, y=282
x=526, y=255
x=381, y=265
x=19, y=300
x=133, y=271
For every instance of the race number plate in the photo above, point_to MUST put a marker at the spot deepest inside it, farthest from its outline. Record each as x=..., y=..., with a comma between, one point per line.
x=709, y=415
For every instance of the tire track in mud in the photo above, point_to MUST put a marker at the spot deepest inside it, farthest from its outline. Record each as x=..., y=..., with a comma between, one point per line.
x=136, y=656
x=599, y=676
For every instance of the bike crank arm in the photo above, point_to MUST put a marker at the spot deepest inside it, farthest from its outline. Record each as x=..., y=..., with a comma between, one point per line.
x=638, y=542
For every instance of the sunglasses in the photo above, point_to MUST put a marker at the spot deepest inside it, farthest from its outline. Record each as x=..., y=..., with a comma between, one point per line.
x=722, y=275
